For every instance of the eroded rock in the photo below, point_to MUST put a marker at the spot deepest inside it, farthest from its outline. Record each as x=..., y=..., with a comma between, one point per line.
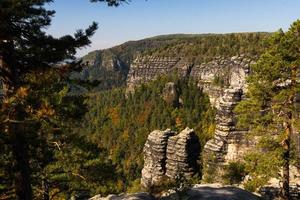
x=182, y=154
x=170, y=94
x=167, y=154
x=155, y=157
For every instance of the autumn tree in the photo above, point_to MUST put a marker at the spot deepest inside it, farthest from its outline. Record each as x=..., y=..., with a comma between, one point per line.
x=269, y=111
x=27, y=50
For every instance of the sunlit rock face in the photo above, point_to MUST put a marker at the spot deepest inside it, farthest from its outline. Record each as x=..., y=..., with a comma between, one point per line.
x=224, y=81
x=169, y=155
x=155, y=157
x=170, y=94
x=213, y=77
x=182, y=154
x=229, y=142
x=212, y=192
x=145, y=69
x=220, y=74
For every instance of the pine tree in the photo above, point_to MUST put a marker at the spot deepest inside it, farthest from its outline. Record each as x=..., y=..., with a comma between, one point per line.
x=269, y=110
x=26, y=49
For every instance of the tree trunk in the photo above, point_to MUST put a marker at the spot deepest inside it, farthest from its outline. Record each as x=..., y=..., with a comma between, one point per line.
x=16, y=126
x=45, y=190
x=22, y=180
x=285, y=193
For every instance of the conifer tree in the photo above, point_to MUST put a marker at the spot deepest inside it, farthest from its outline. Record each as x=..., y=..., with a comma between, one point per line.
x=269, y=110
x=26, y=49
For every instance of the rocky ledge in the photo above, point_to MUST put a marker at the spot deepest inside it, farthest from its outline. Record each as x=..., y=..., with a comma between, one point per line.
x=211, y=192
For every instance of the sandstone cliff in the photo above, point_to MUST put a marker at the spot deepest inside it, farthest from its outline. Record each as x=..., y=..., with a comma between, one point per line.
x=223, y=79
x=168, y=155
x=214, y=77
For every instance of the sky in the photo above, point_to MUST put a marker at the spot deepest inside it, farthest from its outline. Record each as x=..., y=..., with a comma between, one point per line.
x=146, y=18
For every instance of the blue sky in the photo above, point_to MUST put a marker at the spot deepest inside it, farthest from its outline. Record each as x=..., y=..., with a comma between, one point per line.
x=145, y=18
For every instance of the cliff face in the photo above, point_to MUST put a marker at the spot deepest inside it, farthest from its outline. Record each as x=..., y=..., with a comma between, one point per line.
x=105, y=69
x=110, y=67
x=229, y=142
x=169, y=155
x=223, y=79
x=213, y=77
x=145, y=69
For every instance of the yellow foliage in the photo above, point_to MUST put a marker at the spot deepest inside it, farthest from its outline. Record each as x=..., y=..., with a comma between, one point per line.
x=125, y=135
x=142, y=117
x=135, y=186
x=119, y=185
x=45, y=111
x=211, y=130
x=178, y=122
x=22, y=92
x=114, y=115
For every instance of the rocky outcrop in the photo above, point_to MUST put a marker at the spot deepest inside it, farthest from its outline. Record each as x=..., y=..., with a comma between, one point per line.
x=212, y=192
x=145, y=69
x=223, y=79
x=135, y=196
x=155, y=157
x=167, y=154
x=229, y=142
x=222, y=73
x=213, y=76
x=170, y=94
x=182, y=154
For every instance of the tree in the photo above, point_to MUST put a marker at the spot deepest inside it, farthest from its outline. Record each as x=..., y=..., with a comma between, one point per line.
x=269, y=110
x=25, y=49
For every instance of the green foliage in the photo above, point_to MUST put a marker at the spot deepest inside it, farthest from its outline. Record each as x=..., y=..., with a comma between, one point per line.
x=218, y=81
x=193, y=48
x=135, y=186
x=210, y=171
x=121, y=125
x=269, y=110
x=180, y=185
x=35, y=108
x=203, y=48
x=252, y=184
x=234, y=173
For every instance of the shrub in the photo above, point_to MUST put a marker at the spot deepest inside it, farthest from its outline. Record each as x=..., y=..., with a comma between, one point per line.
x=234, y=173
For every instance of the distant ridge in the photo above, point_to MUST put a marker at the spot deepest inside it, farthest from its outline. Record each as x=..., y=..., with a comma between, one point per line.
x=111, y=66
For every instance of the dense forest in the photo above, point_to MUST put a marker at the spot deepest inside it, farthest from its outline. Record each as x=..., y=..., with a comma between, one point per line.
x=119, y=125
x=69, y=129
x=108, y=68
x=101, y=152
x=195, y=47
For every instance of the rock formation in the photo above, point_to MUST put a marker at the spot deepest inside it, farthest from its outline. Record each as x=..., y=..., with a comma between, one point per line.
x=145, y=69
x=223, y=79
x=229, y=142
x=167, y=154
x=136, y=196
x=212, y=192
x=155, y=157
x=170, y=94
x=213, y=76
x=182, y=154
x=220, y=74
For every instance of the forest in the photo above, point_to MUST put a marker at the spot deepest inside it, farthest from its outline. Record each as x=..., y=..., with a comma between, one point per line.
x=58, y=143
